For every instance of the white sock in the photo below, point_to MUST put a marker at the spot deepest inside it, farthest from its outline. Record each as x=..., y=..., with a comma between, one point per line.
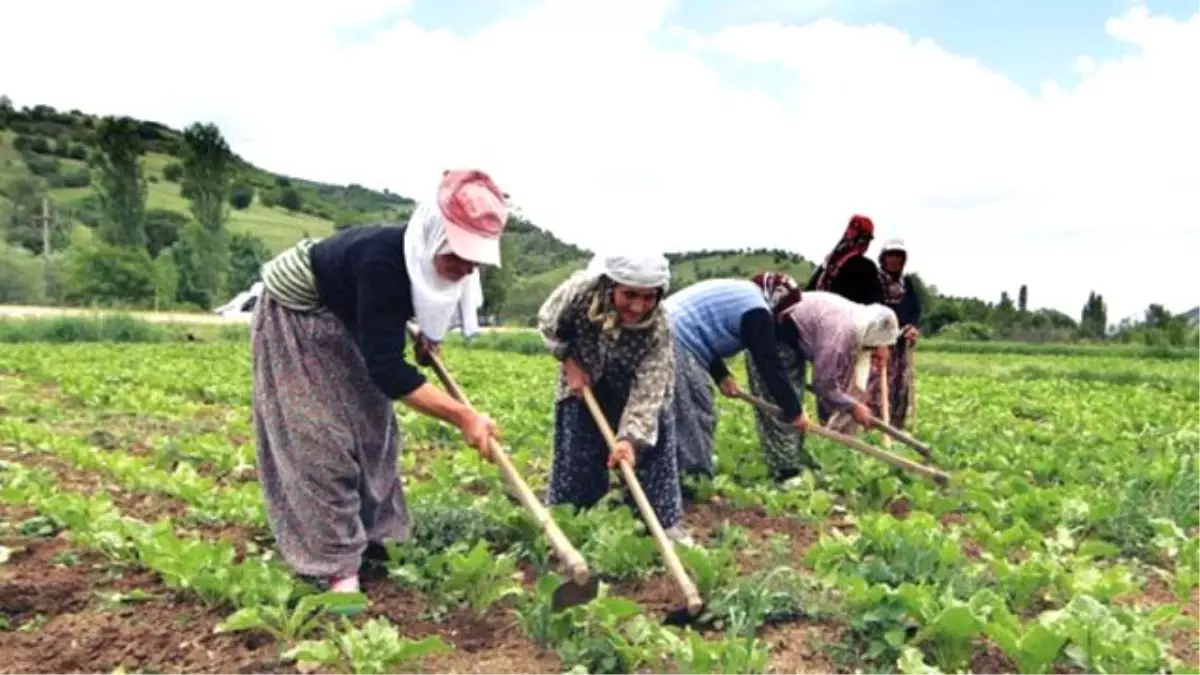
x=346, y=584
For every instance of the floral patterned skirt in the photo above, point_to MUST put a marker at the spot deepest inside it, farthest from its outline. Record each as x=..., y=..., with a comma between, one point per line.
x=328, y=442
x=580, y=474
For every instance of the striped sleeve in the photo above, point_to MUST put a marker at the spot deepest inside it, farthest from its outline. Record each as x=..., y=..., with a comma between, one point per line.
x=290, y=279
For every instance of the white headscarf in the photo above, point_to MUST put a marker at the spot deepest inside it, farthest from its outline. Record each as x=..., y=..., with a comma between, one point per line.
x=644, y=271
x=435, y=298
x=874, y=325
x=469, y=304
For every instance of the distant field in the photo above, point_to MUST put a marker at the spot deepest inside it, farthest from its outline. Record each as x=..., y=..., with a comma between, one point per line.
x=25, y=312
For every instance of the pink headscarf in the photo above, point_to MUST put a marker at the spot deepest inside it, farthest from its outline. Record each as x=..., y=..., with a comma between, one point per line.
x=467, y=218
x=475, y=213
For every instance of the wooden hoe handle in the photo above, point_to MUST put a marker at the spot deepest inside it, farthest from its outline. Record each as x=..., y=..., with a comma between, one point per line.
x=936, y=475
x=885, y=399
x=665, y=547
x=889, y=430
x=558, y=541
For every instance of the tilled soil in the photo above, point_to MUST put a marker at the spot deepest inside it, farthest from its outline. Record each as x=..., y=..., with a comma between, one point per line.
x=70, y=629
x=64, y=617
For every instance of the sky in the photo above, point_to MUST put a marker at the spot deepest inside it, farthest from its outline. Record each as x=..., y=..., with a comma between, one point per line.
x=1051, y=143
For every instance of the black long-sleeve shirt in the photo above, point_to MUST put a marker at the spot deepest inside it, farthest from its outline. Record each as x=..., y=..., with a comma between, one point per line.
x=758, y=335
x=362, y=279
x=856, y=280
x=908, y=310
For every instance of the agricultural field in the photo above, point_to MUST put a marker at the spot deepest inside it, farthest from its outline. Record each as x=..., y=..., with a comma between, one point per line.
x=133, y=535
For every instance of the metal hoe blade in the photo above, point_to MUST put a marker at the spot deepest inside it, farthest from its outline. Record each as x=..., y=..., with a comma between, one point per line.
x=569, y=594
x=682, y=617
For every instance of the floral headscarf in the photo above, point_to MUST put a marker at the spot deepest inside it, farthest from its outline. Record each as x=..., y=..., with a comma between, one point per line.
x=779, y=289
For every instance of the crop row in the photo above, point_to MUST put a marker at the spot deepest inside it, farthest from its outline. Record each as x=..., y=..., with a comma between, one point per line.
x=1071, y=495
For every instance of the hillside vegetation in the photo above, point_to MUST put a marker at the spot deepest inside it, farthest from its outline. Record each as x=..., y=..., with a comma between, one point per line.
x=53, y=154
x=124, y=231
x=58, y=149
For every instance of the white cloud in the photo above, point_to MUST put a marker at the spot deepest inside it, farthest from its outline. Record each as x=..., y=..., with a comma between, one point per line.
x=610, y=127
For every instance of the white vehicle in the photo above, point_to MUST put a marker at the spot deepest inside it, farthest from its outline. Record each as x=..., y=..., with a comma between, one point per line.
x=466, y=318
x=242, y=305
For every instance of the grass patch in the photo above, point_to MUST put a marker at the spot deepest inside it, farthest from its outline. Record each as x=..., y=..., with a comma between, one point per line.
x=521, y=341
x=113, y=328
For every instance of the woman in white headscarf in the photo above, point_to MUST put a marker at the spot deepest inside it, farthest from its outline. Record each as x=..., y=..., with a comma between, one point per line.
x=840, y=338
x=327, y=345
x=900, y=294
x=607, y=327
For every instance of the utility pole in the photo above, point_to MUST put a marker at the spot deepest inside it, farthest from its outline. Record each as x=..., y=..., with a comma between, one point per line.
x=45, y=227
x=44, y=219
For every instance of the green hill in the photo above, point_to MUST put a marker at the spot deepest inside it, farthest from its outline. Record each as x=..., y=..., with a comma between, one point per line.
x=528, y=291
x=52, y=153
x=54, y=149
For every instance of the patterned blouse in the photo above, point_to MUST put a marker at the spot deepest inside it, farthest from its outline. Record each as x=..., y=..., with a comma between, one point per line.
x=825, y=322
x=638, y=362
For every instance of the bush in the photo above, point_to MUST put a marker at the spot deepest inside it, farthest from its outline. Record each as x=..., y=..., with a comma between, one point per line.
x=66, y=329
x=72, y=179
x=241, y=196
x=53, y=267
x=35, y=144
x=290, y=199
x=247, y=253
x=104, y=274
x=173, y=172
x=67, y=150
x=115, y=328
x=966, y=331
x=88, y=210
x=42, y=166
x=41, y=146
x=163, y=227
x=21, y=279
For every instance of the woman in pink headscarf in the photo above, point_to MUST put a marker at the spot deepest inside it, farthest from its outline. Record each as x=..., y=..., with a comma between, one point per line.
x=327, y=344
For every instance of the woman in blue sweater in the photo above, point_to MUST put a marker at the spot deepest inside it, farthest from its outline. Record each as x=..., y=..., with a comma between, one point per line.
x=712, y=321
x=327, y=346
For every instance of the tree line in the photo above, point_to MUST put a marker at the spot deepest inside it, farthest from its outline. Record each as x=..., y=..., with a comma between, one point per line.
x=112, y=249
x=131, y=256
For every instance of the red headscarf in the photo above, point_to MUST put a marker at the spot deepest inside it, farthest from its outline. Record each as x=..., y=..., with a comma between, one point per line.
x=855, y=242
x=779, y=289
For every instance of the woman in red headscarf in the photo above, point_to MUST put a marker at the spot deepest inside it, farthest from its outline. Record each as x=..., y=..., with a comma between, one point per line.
x=847, y=271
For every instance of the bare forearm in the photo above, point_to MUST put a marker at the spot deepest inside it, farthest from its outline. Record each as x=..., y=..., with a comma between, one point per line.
x=429, y=400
